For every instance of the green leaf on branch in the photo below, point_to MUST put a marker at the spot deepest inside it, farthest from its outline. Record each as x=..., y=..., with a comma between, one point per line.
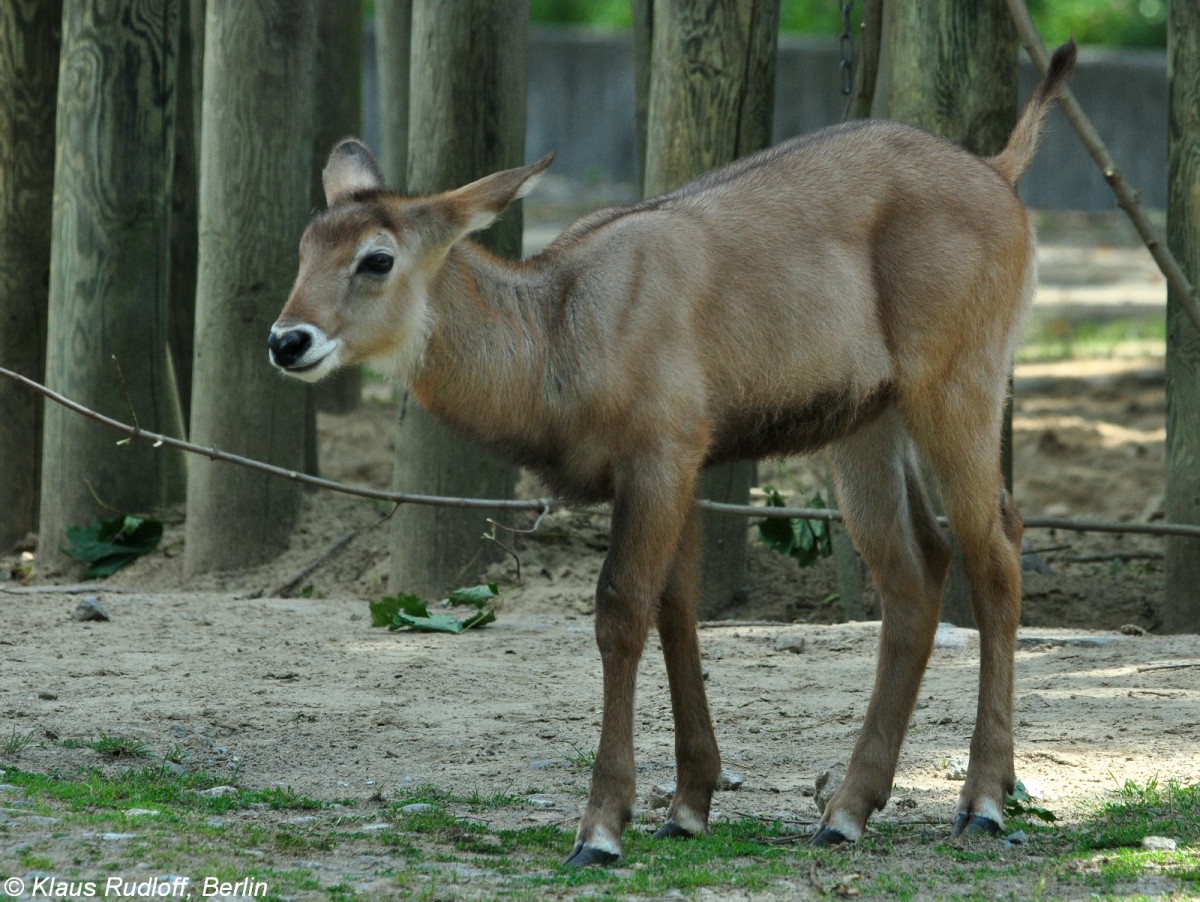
x=108, y=545
x=410, y=612
x=806, y=541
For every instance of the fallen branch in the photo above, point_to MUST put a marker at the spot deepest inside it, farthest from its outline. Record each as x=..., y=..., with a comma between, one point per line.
x=284, y=590
x=1183, y=290
x=1149, y=667
x=77, y=589
x=1114, y=556
x=542, y=505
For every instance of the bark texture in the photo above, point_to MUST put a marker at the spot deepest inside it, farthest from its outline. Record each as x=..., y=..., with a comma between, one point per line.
x=1182, y=498
x=467, y=120
x=255, y=171
x=29, y=41
x=107, y=323
x=954, y=73
x=711, y=88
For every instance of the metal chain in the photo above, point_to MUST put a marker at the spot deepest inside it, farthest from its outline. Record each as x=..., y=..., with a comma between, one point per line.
x=846, y=49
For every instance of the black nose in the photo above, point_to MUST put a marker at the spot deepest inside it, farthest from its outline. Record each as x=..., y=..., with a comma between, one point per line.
x=288, y=347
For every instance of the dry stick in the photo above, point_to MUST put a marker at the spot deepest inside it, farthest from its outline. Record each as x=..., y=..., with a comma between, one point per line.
x=1127, y=200
x=77, y=589
x=543, y=505
x=284, y=590
x=1149, y=667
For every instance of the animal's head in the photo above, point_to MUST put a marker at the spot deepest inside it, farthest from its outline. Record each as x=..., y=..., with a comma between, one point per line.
x=367, y=262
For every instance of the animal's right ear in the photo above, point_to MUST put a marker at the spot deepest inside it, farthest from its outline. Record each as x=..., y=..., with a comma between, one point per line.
x=350, y=169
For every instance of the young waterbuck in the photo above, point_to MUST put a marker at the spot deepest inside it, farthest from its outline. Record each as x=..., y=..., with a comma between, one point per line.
x=860, y=289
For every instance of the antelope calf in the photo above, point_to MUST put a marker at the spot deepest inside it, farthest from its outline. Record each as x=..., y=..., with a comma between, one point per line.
x=860, y=289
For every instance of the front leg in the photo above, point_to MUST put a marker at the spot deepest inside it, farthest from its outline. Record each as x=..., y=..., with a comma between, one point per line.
x=649, y=510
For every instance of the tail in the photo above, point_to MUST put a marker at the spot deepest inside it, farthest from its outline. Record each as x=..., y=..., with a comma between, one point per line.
x=1022, y=143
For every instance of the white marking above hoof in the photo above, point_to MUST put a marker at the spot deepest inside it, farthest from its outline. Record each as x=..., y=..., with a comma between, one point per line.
x=689, y=820
x=843, y=824
x=602, y=840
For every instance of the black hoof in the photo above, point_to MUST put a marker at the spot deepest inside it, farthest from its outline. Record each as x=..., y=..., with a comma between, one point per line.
x=975, y=825
x=582, y=856
x=671, y=830
x=827, y=836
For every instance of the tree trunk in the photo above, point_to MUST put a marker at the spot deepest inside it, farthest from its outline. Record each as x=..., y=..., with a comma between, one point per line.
x=1182, y=497
x=338, y=104
x=185, y=189
x=255, y=165
x=29, y=41
x=467, y=120
x=711, y=90
x=393, y=51
x=107, y=324
x=954, y=73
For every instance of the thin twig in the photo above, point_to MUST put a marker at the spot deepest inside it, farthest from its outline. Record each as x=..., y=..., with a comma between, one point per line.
x=540, y=504
x=77, y=589
x=1181, y=287
x=125, y=392
x=1045, y=550
x=518, y=530
x=1114, y=556
x=1149, y=667
x=284, y=590
x=491, y=537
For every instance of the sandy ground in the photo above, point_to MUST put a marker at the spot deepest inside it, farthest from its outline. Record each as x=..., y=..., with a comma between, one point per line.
x=302, y=692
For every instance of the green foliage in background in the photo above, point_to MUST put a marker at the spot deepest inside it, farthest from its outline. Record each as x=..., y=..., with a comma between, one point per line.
x=805, y=540
x=1116, y=23
x=108, y=545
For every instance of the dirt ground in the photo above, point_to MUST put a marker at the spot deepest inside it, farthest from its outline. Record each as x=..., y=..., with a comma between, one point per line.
x=302, y=692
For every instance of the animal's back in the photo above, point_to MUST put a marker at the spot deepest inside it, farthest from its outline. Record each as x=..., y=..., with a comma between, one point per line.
x=819, y=276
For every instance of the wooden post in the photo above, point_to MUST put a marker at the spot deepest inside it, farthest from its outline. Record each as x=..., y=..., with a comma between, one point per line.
x=467, y=119
x=954, y=73
x=185, y=189
x=711, y=91
x=29, y=37
x=393, y=51
x=110, y=252
x=338, y=103
x=255, y=165
x=1182, y=498
x=849, y=565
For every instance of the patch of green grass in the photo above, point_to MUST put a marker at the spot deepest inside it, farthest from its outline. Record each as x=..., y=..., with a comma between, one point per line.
x=1136, y=812
x=479, y=846
x=119, y=747
x=15, y=743
x=581, y=759
x=1049, y=339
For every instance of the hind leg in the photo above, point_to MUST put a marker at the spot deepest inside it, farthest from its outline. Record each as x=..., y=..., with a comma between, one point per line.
x=988, y=528
x=890, y=520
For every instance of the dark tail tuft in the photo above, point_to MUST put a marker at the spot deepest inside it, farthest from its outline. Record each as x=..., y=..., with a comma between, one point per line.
x=1022, y=143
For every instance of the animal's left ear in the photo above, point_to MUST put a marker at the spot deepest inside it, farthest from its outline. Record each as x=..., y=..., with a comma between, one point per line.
x=351, y=168
x=476, y=206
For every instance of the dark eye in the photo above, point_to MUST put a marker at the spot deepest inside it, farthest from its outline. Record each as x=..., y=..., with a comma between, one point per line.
x=378, y=263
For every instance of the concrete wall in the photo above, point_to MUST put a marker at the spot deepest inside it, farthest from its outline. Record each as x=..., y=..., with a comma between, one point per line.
x=581, y=105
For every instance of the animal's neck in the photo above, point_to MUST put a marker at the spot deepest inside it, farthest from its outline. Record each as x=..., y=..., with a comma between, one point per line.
x=486, y=357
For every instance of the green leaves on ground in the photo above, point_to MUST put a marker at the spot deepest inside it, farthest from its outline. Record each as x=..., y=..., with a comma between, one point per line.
x=804, y=540
x=1019, y=805
x=410, y=612
x=108, y=545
